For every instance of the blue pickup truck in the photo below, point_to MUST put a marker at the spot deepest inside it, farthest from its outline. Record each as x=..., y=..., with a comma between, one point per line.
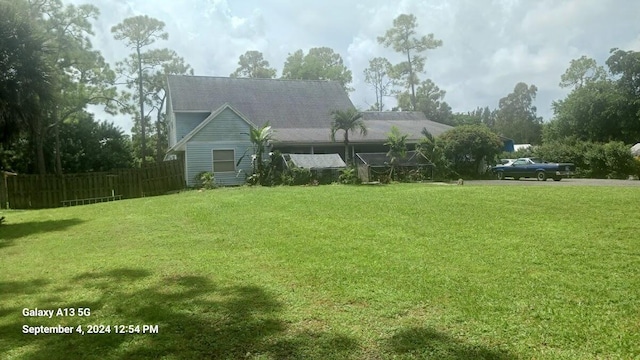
x=533, y=168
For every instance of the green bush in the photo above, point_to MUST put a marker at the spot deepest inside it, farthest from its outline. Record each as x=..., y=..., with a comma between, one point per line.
x=433, y=151
x=324, y=176
x=618, y=160
x=205, y=180
x=570, y=151
x=592, y=160
x=466, y=147
x=297, y=176
x=349, y=176
x=636, y=166
x=274, y=169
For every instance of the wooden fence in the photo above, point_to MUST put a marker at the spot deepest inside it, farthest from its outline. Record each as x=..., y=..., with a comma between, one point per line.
x=48, y=191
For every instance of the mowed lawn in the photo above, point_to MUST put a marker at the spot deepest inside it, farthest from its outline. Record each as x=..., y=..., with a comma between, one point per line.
x=399, y=271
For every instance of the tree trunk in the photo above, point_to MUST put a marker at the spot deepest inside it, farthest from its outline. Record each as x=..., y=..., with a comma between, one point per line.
x=346, y=147
x=38, y=136
x=142, y=117
x=42, y=170
x=160, y=145
x=159, y=154
x=58, y=157
x=413, y=90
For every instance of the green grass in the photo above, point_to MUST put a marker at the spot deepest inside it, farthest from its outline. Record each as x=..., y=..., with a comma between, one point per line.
x=400, y=271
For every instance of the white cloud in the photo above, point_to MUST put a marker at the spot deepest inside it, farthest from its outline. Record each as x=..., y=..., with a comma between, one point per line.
x=489, y=46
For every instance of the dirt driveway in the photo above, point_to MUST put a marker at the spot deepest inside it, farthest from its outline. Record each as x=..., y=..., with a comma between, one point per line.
x=563, y=182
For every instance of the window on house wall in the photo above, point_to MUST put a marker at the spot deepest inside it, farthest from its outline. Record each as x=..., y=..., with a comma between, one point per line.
x=224, y=161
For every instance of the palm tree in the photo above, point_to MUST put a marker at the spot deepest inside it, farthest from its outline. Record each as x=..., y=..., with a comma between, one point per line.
x=397, y=143
x=261, y=139
x=347, y=120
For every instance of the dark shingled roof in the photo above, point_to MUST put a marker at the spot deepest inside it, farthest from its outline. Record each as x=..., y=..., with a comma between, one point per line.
x=284, y=103
x=393, y=115
x=378, y=127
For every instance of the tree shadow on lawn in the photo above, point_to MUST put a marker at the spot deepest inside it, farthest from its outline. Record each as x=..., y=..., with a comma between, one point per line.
x=10, y=232
x=18, y=288
x=428, y=343
x=196, y=320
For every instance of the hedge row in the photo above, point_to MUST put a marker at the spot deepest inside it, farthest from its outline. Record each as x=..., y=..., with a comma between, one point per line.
x=612, y=160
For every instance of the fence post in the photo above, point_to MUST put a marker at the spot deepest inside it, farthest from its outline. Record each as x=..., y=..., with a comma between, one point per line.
x=4, y=194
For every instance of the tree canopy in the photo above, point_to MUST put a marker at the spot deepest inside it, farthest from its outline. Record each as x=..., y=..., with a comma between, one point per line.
x=26, y=81
x=379, y=75
x=603, y=106
x=467, y=146
x=138, y=32
x=428, y=99
x=320, y=63
x=403, y=39
x=253, y=65
x=516, y=116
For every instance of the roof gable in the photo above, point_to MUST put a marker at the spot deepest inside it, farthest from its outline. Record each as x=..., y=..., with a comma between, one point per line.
x=179, y=146
x=283, y=103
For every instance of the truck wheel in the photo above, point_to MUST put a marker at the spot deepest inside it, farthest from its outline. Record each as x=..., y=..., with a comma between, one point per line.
x=500, y=175
x=541, y=176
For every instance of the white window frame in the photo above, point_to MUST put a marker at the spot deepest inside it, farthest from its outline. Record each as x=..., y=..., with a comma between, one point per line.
x=213, y=161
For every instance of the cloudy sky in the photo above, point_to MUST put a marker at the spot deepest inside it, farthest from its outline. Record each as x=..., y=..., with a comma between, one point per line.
x=489, y=45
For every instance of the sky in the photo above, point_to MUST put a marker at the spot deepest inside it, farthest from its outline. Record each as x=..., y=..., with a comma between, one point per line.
x=488, y=45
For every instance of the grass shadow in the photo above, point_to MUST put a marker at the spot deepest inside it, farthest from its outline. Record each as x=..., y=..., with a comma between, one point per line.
x=10, y=232
x=22, y=287
x=428, y=343
x=195, y=319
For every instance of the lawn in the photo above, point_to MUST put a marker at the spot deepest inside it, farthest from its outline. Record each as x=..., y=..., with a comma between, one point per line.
x=399, y=271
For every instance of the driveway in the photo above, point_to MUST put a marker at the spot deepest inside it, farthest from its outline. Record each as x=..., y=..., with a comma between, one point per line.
x=563, y=182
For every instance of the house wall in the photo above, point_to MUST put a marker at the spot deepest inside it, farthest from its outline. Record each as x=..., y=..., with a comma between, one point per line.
x=199, y=158
x=225, y=132
x=186, y=122
x=227, y=126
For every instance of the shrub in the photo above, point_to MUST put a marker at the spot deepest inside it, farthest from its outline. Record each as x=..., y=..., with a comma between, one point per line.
x=570, y=151
x=297, y=176
x=205, y=180
x=619, y=161
x=274, y=169
x=636, y=166
x=432, y=150
x=324, y=176
x=593, y=160
x=349, y=176
x=465, y=147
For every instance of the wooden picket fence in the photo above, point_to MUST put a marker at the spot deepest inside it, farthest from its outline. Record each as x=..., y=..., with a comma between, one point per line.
x=49, y=191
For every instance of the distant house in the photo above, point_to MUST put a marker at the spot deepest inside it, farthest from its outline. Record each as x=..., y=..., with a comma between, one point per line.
x=209, y=118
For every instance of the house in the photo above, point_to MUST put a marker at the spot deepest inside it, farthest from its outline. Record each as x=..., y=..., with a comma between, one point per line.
x=209, y=118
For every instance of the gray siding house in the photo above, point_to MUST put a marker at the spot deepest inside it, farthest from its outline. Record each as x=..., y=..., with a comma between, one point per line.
x=209, y=118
